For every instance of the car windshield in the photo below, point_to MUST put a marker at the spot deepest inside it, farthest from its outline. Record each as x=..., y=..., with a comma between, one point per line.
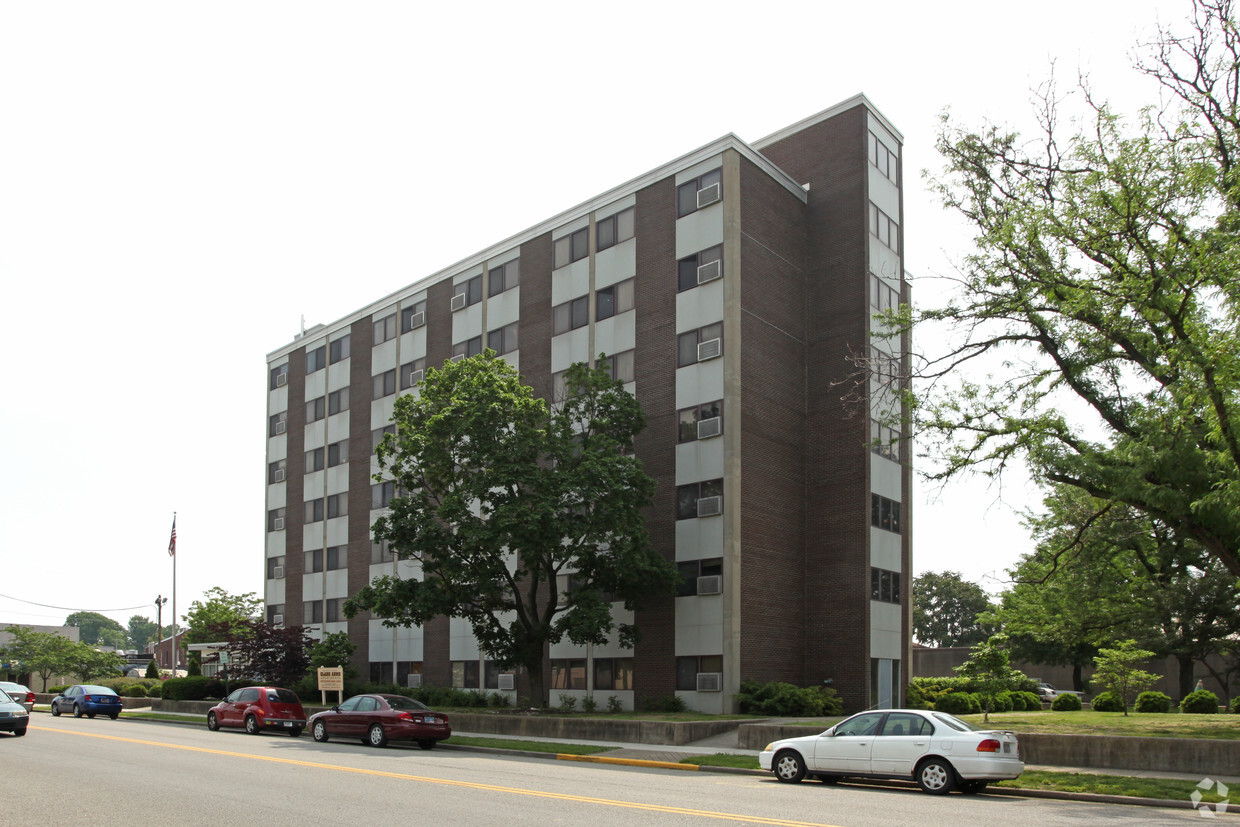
x=97, y=690
x=4, y=697
x=282, y=696
x=401, y=702
x=955, y=723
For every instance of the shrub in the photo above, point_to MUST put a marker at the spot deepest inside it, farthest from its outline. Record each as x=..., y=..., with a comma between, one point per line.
x=499, y=700
x=1152, y=702
x=588, y=704
x=134, y=690
x=1033, y=701
x=975, y=703
x=1201, y=702
x=1235, y=705
x=1067, y=703
x=1002, y=702
x=915, y=698
x=1107, y=702
x=614, y=704
x=56, y=690
x=195, y=688
x=156, y=691
x=785, y=699
x=669, y=703
x=953, y=703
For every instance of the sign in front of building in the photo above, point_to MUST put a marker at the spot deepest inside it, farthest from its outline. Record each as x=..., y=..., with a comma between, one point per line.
x=331, y=678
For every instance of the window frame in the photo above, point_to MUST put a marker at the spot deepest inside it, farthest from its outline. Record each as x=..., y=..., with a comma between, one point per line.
x=407, y=369
x=716, y=406
x=470, y=347
x=618, y=225
x=686, y=508
x=276, y=373
x=509, y=275
x=504, y=339
x=621, y=295
x=383, y=384
x=313, y=460
x=384, y=329
x=407, y=314
x=687, y=267
x=338, y=401
x=470, y=288
x=575, y=311
x=339, y=349
x=698, y=184
x=885, y=228
x=316, y=409
x=699, y=336
x=316, y=359
x=340, y=450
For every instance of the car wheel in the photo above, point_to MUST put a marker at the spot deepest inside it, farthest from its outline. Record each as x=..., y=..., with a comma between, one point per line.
x=55, y=711
x=251, y=724
x=19, y=732
x=936, y=776
x=375, y=736
x=427, y=743
x=114, y=715
x=973, y=787
x=295, y=732
x=320, y=732
x=77, y=711
x=789, y=767
x=213, y=723
x=830, y=779
x=90, y=714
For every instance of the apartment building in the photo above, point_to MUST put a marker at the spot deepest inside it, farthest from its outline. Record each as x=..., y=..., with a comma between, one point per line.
x=735, y=291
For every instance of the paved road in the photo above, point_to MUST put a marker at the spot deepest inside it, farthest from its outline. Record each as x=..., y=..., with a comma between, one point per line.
x=100, y=771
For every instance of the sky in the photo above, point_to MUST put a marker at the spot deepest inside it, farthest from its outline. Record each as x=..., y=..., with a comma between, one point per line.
x=181, y=184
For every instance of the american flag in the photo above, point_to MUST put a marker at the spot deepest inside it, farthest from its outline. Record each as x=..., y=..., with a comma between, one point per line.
x=172, y=543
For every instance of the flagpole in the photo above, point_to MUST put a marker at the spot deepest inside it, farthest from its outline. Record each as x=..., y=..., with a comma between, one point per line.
x=172, y=551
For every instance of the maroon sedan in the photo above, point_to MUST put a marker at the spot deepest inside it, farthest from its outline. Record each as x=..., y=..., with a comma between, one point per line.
x=377, y=719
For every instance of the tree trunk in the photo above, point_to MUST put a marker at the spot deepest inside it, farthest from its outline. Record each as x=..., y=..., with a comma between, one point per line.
x=1186, y=675
x=1078, y=683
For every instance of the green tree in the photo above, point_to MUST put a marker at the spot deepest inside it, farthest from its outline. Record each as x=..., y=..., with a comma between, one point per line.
x=1116, y=671
x=946, y=609
x=334, y=650
x=89, y=663
x=219, y=608
x=259, y=650
x=991, y=672
x=95, y=628
x=525, y=519
x=142, y=630
x=42, y=653
x=152, y=668
x=1104, y=278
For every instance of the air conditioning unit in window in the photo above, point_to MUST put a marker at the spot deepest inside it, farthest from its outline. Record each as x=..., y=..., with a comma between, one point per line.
x=458, y=301
x=277, y=524
x=710, y=349
x=277, y=573
x=710, y=271
x=709, y=506
x=414, y=680
x=708, y=195
x=281, y=379
x=278, y=476
x=709, y=682
x=418, y=319
x=415, y=376
x=280, y=426
x=710, y=427
x=710, y=584
x=277, y=620
x=458, y=357
x=507, y=683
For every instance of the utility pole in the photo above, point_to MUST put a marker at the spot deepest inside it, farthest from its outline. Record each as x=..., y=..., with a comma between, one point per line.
x=159, y=624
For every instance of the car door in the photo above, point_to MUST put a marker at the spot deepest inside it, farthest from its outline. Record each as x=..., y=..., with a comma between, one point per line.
x=343, y=720
x=367, y=713
x=847, y=747
x=904, y=738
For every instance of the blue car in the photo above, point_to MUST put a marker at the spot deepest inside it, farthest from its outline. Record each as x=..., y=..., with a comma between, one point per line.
x=85, y=699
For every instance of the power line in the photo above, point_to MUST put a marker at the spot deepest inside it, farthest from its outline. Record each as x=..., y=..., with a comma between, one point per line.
x=71, y=609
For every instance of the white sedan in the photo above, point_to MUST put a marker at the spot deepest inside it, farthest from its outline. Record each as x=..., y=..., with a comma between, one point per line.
x=938, y=751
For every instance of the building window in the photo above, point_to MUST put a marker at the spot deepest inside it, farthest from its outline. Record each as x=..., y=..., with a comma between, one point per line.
x=467, y=348
x=337, y=401
x=316, y=409
x=688, y=351
x=885, y=585
x=687, y=669
x=381, y=494
x=314, y=460
x=883, y=158
x=568, y=673
x=277, y=423
x=411, y=373
x=413, y=316
x=620, y=366
x=274, y=563
x=275, y=519
x=384, y=384
x=377, y=435
x=279, y=376
x=465, y=674
x=687, y=194
x=885, y=441
x=312, y=611
x=613, y=673
x=273, y=610
x=610, y=231
x=313, y=511
x=884, y=513
x=688, y=496
x=385, y=329
x=503, y=340
x=689, y=418
x=691, y=570
x=882, y=297
x=334, y=615
x=277, y=471
x=570, y=315
x=337, y=557
x=700, y=268
x=884, y=228
x=611, y=301
x=314, y=561
x=503, y=277
x=471, y=289
x=316, y=359
x=338, y=350
x=381, y=553
x=337, y=505
x=884, y=368
x=572, y=247
x=338, y=453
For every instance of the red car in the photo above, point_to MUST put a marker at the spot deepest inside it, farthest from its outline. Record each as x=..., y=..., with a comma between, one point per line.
x=257, y=708
x=377, y=719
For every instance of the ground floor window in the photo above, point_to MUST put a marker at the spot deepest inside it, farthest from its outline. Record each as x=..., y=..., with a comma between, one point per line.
x=465, y=674
x=613, y=673
x=687, y=669
x=568, y=673
x=398, y=673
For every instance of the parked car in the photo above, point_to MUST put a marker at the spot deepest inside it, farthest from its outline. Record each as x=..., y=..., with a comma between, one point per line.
x=13, y=716
x=89, y=700
x=938, y=751
x=257, y=708
x=19, y=693
x=377, y=719
x=1049, y=693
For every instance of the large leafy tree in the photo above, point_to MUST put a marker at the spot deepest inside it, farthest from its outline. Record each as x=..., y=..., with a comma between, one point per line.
x=524, y=519
x=42, y=653
x=142, y=630
x=217, y=607
x=1104, y=278
x=334, y=650
x=946, y=609
x=88, y=663
x=96, y=628
x=259, y=650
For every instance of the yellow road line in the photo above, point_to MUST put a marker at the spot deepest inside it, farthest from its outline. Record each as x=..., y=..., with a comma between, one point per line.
x=657, y=808
x=632, y=762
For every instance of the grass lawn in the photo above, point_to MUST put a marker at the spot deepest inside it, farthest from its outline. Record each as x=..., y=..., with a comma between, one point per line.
x=1170, y=789
x=1087, y=722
